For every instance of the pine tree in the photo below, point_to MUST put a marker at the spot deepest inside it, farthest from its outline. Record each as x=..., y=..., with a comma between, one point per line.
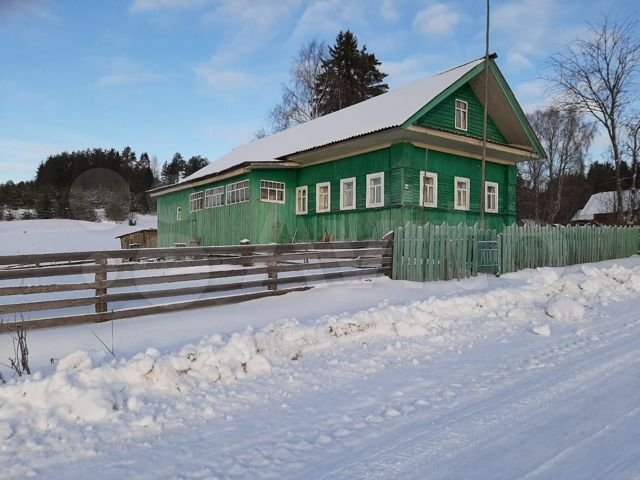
x=194, y=164
x=174, y=170
x=349, y=75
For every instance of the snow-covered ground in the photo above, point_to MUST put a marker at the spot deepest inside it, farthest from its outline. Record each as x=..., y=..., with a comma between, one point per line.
x=531, y=375
x=55, y=235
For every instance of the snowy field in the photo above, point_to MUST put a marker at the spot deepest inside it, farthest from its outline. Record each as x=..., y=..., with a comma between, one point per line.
x=531, y=375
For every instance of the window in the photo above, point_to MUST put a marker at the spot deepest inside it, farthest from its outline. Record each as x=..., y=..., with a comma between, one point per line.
x=196, y=201
x=491, y=197
x=323, y=197
x=238, y=192
x=302, y=200
x=179, y=213
x=461, y=114
x=375, y=190
x=214, y=197
x=462, y=193
x=428, y=189
x=271, y=191
x=348, y=193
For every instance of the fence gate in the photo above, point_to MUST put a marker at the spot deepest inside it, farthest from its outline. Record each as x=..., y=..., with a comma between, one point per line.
x=488, y=256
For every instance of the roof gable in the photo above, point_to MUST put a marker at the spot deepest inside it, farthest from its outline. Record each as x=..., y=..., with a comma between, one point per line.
x=442, y=116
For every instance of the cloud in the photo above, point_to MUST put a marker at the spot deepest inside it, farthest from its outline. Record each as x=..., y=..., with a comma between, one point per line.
x=388, y=11
x=328, y=17
x=151, y=5
x=437, y=19
x=10, y=9
x=217, y=79
x=125, y=71
x=412, y=68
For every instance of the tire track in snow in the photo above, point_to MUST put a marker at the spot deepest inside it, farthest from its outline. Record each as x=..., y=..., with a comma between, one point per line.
x=415, y=454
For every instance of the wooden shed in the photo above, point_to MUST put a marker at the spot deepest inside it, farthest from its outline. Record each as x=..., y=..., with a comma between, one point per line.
x=147, y=238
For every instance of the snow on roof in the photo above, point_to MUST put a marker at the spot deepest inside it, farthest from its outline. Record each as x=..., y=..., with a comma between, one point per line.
x=604, y=202
x=388, y=110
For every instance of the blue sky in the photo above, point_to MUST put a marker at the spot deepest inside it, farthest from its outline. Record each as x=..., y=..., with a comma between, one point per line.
x=200, y=76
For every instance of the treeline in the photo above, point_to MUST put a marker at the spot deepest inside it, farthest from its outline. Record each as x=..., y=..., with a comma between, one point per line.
x=75, y=184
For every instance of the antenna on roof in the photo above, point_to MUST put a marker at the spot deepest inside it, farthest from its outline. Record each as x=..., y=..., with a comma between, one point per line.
x=484, y=124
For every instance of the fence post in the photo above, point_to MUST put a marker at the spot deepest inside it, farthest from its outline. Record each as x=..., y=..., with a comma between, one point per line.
x=246, y=253
x=101, y=289
x=272, y=274
x=388, y=238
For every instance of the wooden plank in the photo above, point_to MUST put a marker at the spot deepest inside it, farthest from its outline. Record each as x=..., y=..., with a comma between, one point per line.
x=9, y=308
x=51, y=288
x=225, y=287
x=141, y=311
x=191, y=251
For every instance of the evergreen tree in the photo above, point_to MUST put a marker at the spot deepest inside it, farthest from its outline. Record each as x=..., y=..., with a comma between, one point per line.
x=194, y=164
x=174, y=170
x=349, y=75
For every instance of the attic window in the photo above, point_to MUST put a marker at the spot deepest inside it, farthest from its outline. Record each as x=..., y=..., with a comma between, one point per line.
x=462, y=109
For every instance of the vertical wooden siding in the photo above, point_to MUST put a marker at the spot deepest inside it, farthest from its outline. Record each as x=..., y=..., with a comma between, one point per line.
x=442, y=116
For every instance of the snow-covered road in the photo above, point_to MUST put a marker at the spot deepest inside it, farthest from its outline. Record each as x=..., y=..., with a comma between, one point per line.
x=450, y=386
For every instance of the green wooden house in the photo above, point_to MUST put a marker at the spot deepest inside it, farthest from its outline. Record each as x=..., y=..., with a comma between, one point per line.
x=412, y=154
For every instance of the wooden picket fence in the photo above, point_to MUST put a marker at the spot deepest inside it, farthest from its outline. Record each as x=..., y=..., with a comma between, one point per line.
x=430, y=252
x=559, y=246
x=442, y=252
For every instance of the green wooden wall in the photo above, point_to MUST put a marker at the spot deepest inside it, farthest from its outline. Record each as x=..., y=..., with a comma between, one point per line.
x=263, y=222
x=442, y=116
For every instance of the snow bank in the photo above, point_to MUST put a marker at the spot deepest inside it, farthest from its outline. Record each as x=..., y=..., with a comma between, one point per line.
x=88, y=388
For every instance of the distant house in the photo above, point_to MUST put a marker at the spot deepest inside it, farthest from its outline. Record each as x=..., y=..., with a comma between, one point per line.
x=412, y=154
x=147, y=238
x=600, y=209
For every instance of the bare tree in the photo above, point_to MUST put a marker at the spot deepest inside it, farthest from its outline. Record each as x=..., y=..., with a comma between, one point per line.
x=632, y=151
x=302, y=95
x=566, y=138
x=596, y=75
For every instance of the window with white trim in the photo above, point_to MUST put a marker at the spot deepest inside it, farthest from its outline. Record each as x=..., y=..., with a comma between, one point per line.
x=302, y=200
x=462, y=193
x=491, y=197
x=214, y=197
x=196, y=201
x=179, y=213
x=271, y=191
x=428, y=189
x=375, y=190
x=238, y=192
x=462, y=113
x=348, y=193
x=323, y=197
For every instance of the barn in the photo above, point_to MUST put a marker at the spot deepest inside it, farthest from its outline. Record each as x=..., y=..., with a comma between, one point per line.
x=412, y=154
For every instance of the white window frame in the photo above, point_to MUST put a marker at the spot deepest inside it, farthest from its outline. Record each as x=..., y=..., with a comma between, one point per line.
x=230, y=190
x=213, y=194
x=434, y=176
x=455, y=193
x=299, y=191
x=318, y=187
x=464, y=113
x=270, y=186
x=370, y=203
x=342, y=184
x=196, y=201
x=179, y=214
x=486, y=197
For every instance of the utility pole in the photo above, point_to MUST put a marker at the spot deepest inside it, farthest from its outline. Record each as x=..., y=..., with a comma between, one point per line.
x=484, y=125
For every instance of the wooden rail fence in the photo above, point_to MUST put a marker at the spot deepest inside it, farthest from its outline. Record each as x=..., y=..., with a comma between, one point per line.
x=114, y=281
